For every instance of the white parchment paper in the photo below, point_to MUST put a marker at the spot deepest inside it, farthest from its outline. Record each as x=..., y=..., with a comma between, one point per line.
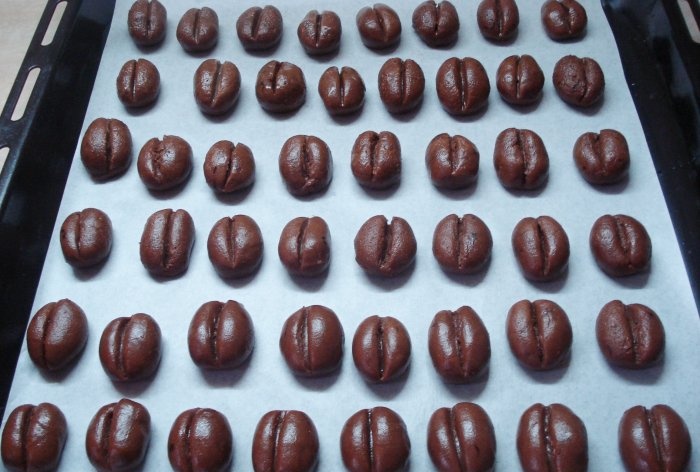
x=596, y=392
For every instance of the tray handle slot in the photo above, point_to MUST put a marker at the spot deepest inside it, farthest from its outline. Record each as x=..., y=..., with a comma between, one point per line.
x=26, y=94
x=51, y=29
x=691, y=19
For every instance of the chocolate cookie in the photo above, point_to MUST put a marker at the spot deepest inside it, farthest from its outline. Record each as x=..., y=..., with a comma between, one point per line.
x=602, y=158
x=620, y=245
x=578, y=81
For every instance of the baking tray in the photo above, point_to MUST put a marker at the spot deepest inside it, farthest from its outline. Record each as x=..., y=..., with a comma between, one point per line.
x=43, y=142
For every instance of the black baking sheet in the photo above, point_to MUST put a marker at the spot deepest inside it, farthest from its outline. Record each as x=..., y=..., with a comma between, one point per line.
x=25, y=234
